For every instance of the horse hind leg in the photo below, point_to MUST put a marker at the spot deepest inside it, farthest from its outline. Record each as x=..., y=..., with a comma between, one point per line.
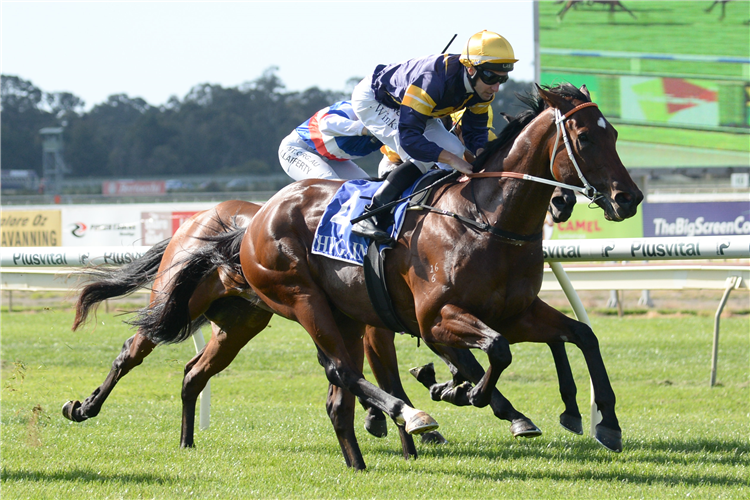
x=381, y=355
x=340, y=405
x=133, y=352
x=235, y=323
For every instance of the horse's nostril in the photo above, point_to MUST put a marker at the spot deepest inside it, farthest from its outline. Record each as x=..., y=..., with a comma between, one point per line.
x=623, y=199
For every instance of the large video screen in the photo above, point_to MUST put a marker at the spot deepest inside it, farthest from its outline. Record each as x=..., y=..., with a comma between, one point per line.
x=674, y=77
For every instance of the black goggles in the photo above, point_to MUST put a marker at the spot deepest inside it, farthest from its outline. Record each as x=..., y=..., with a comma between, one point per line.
x=491, y=78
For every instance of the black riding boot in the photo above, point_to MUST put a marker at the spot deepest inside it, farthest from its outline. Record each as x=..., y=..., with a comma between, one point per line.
x=375, y=226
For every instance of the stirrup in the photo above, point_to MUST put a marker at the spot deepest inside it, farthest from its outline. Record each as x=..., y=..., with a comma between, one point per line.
x=368, y=229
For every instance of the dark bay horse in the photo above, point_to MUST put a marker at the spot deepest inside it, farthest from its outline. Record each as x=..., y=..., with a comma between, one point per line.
x=157, y=268
x=469, y=280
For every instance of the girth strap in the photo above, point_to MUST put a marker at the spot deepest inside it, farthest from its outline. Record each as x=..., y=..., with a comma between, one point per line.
x=378, y=291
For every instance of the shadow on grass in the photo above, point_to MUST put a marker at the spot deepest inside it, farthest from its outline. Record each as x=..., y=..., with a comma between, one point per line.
x=587, y=460
x=83, y=475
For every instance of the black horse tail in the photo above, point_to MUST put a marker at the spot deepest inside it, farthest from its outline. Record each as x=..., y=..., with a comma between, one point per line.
x=114, y=282
x=167, y=320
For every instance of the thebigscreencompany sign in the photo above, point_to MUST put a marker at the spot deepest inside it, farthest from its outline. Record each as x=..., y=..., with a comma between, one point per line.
x=696, y=219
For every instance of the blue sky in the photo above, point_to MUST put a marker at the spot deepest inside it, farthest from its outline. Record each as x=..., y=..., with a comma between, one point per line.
x=155, y=50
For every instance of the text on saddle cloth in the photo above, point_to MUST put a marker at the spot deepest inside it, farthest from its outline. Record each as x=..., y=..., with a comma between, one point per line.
x=334, y=237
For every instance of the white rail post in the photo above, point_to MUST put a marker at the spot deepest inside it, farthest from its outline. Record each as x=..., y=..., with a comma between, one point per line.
x=732, y=283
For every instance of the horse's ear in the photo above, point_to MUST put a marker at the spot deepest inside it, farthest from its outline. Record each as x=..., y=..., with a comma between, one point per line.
x=507, y=117
x=585, y=91
x=552, y=100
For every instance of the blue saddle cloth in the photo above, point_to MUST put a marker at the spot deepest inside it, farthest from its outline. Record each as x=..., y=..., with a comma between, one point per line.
x=334, y=238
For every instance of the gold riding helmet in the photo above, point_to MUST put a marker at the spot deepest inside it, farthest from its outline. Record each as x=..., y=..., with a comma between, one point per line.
x=490, y=51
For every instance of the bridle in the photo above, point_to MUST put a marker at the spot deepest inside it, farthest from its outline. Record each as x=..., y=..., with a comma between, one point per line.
x=587, y=190
x=518, y=239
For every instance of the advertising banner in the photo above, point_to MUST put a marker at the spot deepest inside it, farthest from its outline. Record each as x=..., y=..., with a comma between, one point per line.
x=31, y=228
x=676, y=101
x=589, y=223
x=158, y=226
x=98, y=227
x=696, y=219
x=95, y=225
x=133, y=188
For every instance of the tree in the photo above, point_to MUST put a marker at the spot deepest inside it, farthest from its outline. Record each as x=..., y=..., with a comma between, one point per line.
x=22, y=118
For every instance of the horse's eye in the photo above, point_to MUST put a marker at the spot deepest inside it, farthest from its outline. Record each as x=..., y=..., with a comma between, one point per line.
x=583, y=137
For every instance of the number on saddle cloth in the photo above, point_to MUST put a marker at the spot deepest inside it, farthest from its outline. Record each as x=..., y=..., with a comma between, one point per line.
x=334, y=237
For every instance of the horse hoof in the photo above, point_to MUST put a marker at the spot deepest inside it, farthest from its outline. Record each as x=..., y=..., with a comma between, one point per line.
x=433, y=437
x=378, y=427
x=572, y=424
x=609, y=438
x=425, y=374
x=420, y=422
x=523, y=427
x=68, y=411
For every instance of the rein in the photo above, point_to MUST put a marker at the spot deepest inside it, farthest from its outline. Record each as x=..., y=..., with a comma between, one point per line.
x=587, y=190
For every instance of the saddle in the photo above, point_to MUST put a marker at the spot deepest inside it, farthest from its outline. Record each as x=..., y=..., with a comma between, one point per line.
x=334, y=239
x=374, y=265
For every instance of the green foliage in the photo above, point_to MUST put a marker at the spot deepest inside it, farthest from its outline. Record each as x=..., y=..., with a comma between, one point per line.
x=212, y=130
x=270, y=436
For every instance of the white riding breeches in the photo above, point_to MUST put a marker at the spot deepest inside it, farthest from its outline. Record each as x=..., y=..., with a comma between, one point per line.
x=300, y=162
x=382, y=122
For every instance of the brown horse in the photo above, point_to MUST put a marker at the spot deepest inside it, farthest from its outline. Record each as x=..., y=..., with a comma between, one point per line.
x=459, y=281
x=161, y=263
x=222, y=296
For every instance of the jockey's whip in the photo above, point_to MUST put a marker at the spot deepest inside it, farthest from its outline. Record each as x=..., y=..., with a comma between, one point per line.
x=449, y=44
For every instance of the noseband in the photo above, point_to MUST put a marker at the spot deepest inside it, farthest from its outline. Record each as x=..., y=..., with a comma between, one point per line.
x=587, y=190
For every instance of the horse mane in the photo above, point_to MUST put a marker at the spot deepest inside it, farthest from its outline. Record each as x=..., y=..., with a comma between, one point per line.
x=535, y=105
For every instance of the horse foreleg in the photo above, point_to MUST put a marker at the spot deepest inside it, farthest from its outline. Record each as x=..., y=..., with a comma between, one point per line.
x=465, y=366
x=455, y=327
x=565, y=8
x=542, y=323
x=134, y=350
x=570, y=419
